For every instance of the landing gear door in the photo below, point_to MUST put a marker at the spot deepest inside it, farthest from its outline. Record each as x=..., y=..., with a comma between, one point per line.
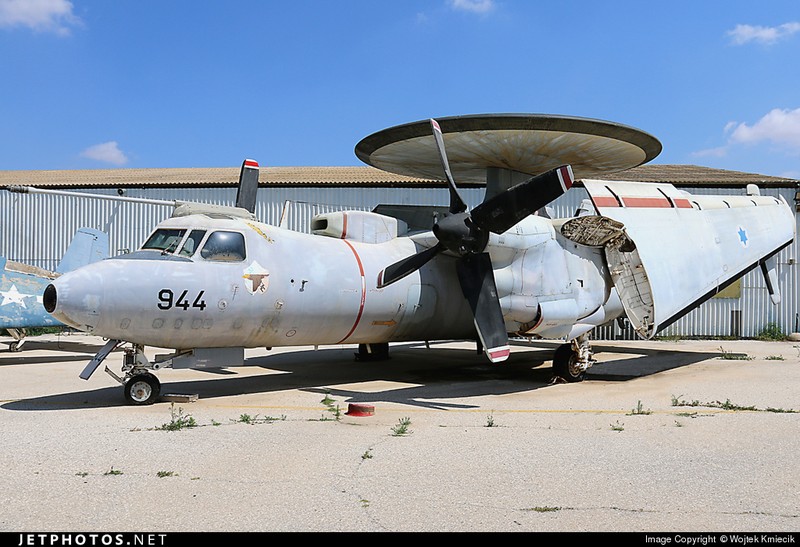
x=633, y=286
x=624, y=265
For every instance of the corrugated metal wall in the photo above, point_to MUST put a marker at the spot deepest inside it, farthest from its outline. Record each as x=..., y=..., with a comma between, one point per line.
x=36, y=229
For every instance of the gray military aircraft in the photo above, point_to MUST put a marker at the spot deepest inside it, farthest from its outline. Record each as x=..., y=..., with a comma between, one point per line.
x=22, y=285
x=211, y=280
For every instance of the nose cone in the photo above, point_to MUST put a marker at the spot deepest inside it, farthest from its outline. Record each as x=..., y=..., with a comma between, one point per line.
x=74, y=298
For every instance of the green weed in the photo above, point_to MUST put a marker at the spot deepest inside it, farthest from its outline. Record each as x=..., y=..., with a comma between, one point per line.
x=178, y=420
x=402, y=427
x=639, y=410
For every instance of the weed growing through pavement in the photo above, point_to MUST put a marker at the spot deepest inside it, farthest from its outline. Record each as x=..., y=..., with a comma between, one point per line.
x=252, y=420
x=178, y=421
x=639, y=410
x=616, y=426
x=728, y=405
x=731, y=356
x=331, y=407
x=402, y=427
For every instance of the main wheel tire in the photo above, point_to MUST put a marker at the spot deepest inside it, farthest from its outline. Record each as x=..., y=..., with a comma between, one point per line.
x=565, y=364
x=142, y=389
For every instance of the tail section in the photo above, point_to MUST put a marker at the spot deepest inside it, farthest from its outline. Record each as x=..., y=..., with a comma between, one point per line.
x=248, y=186
x=87, y=246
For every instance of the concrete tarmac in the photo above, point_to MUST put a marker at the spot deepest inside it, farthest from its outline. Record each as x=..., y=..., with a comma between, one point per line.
x=684, y=436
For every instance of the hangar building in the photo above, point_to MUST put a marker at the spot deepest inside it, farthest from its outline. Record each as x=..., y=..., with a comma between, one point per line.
x=36, y=229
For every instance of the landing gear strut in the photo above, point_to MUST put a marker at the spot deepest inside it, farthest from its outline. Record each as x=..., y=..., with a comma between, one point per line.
x=571, y=360
x=139, y=385
x=19, y=339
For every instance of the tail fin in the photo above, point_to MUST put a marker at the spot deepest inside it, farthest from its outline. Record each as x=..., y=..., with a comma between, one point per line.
x=248, y=186
x=86, y=247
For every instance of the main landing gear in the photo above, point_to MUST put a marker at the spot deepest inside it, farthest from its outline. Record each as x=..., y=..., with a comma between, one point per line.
x=373, y=352
x=19, y=339
x=571, y=360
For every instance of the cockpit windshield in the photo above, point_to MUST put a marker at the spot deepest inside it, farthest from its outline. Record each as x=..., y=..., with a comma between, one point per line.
x=222, y=246
x=164, y=239
x=219, y=246
x=192, y=242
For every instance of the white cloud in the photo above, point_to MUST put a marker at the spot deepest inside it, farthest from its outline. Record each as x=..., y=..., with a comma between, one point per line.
x=475, y=6
x=107, y=152
x=40, y=15
x=719, y=152
x=779, y=126
x=743, y=34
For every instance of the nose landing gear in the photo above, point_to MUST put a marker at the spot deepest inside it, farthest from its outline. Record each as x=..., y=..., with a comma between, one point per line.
x=140, y=387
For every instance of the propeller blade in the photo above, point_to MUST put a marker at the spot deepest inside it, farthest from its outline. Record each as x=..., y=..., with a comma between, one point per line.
x=402, y=268
x=477, y=282
x=505, y=209
x=457, y=204
x=248, y=186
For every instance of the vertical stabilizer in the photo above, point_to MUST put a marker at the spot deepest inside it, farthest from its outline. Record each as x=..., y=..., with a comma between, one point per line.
x=248, y=186
x=86, y=247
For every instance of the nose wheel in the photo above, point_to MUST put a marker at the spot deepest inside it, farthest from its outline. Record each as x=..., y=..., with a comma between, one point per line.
x=142, y=389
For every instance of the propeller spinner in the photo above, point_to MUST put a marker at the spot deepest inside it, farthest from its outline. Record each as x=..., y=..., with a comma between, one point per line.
x=465, y=234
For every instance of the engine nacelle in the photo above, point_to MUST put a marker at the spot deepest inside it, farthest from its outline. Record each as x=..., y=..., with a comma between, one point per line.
x=360, y=226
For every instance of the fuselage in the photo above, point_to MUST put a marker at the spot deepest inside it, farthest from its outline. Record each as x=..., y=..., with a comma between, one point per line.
x=201, y=281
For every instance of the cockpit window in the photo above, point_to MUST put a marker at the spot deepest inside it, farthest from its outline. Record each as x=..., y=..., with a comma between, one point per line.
x=192, y=242
x=224, y=247
x=164, y=239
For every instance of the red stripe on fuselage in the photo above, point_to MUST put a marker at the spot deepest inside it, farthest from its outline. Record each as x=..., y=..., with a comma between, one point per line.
x=363, y=292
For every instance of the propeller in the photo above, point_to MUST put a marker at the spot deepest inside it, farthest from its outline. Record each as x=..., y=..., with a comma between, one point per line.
x=466, y=233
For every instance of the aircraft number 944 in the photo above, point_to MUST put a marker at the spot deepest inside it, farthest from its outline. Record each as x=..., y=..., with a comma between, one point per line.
x=166, y=299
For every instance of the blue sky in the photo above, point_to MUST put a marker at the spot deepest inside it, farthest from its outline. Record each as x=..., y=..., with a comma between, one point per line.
x=146, y=83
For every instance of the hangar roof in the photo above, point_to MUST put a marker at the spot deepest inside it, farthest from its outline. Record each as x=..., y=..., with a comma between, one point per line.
x=361, y=176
